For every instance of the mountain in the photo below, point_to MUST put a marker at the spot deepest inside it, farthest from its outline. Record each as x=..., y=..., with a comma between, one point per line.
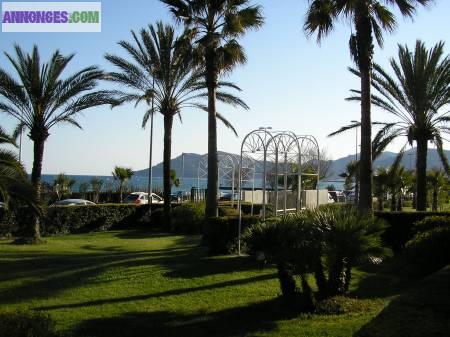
x=387, y=158
x=191, y=161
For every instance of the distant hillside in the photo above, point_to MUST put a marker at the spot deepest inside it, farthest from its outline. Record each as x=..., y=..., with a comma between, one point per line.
x=387, y=158
x=191, y=161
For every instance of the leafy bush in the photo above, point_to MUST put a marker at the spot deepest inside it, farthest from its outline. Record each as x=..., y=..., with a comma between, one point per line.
x=26, y=324
x=188, y=218
x=228, y=211
x=401, y=227
x=220, y=234
x=77, y=219
x=338, y=305
x=429, y=251
x=431, y=222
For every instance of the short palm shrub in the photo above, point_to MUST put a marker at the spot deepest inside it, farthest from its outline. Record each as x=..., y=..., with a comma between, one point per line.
x=26, y=324
x=429, y=251
x=326, y=243
x=188, y=218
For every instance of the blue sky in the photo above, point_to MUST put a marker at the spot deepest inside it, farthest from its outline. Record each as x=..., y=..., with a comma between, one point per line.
x=290, y=82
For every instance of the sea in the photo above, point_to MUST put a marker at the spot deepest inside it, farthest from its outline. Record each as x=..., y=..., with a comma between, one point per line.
x=140, y=183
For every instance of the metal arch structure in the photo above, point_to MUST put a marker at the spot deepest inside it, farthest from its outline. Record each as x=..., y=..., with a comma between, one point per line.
x=227, y=171
x=278, y=151
x=309, y=161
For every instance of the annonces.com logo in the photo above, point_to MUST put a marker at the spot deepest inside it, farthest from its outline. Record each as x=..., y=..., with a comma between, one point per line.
x=51, y=17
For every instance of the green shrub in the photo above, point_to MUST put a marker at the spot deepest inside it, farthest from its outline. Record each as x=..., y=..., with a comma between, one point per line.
x=220, y=234
x=78, y=219
x=429, y=251
x=228, y=211
x=338, y=305
x=400, y=227
x=431, y=222
x=26, y=324
x=188, y=218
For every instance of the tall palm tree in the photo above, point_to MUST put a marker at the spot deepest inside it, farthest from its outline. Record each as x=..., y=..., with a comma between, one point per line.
x=122, y=174
x=417, y=96
x=40, y=99
x=216, y=25
x=368, y=18
x=14, y=186
x=163, y=68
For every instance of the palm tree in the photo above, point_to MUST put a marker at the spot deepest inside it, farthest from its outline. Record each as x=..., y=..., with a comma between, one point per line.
x=96, y=185
x=216, y=25
x=437, y=180
x=417, y=96
x=122, y=174
x=163, y=69
x=174, y=180
x=40, y=99
x=14, y=186
x=351, y=175
x=369, y=18
x=62, y=185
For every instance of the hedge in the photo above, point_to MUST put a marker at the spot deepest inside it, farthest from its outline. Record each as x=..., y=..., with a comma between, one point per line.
x=220, y=234
x=76, y=219
x=401, y=226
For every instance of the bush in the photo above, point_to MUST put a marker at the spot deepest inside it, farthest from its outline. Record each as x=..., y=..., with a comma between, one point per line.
x=401, y=227
x=26, y=324
x=339, y=305
x=220, y=234
x=429, y=251
x=78, y=219
x=431, y=222
x=228, y=211
x=188, y=218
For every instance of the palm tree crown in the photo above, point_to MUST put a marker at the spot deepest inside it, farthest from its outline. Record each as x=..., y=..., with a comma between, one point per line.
x=216, y=26
x=416, y=95
x=369, y=18
x=40, y=99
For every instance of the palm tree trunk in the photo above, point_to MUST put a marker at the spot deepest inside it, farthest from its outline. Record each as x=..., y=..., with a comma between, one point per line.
x=36, y=175
x=393, y=201
x=380, y=203
x=365, y=54
x=435, y=198
x=168, y=122
x=213, y=175
x=421, y=171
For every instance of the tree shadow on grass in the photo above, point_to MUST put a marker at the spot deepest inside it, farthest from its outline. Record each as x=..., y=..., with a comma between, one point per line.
x=173, y=292
x=47, y=274
x=239, y=321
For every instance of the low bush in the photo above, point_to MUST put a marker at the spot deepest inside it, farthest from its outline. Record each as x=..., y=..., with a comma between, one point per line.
x=339, y=305
x=431, y=222
x=78, y=219
x=228, y=211
x=220, y=234
x=26, y=324
x=188, y=218
x=400, y=227
x=429, y=251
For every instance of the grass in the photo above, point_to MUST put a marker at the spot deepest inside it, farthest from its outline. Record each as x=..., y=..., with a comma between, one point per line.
x=133, y=283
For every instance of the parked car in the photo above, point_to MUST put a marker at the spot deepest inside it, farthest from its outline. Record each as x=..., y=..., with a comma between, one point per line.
x=141, y=198
x=73, y=202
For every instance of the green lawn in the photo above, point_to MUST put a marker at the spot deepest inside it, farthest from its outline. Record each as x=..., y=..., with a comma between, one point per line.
x=131, y=283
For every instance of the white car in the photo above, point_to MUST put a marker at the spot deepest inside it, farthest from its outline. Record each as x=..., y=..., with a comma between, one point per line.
x=141, y=198
x=73, y=202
